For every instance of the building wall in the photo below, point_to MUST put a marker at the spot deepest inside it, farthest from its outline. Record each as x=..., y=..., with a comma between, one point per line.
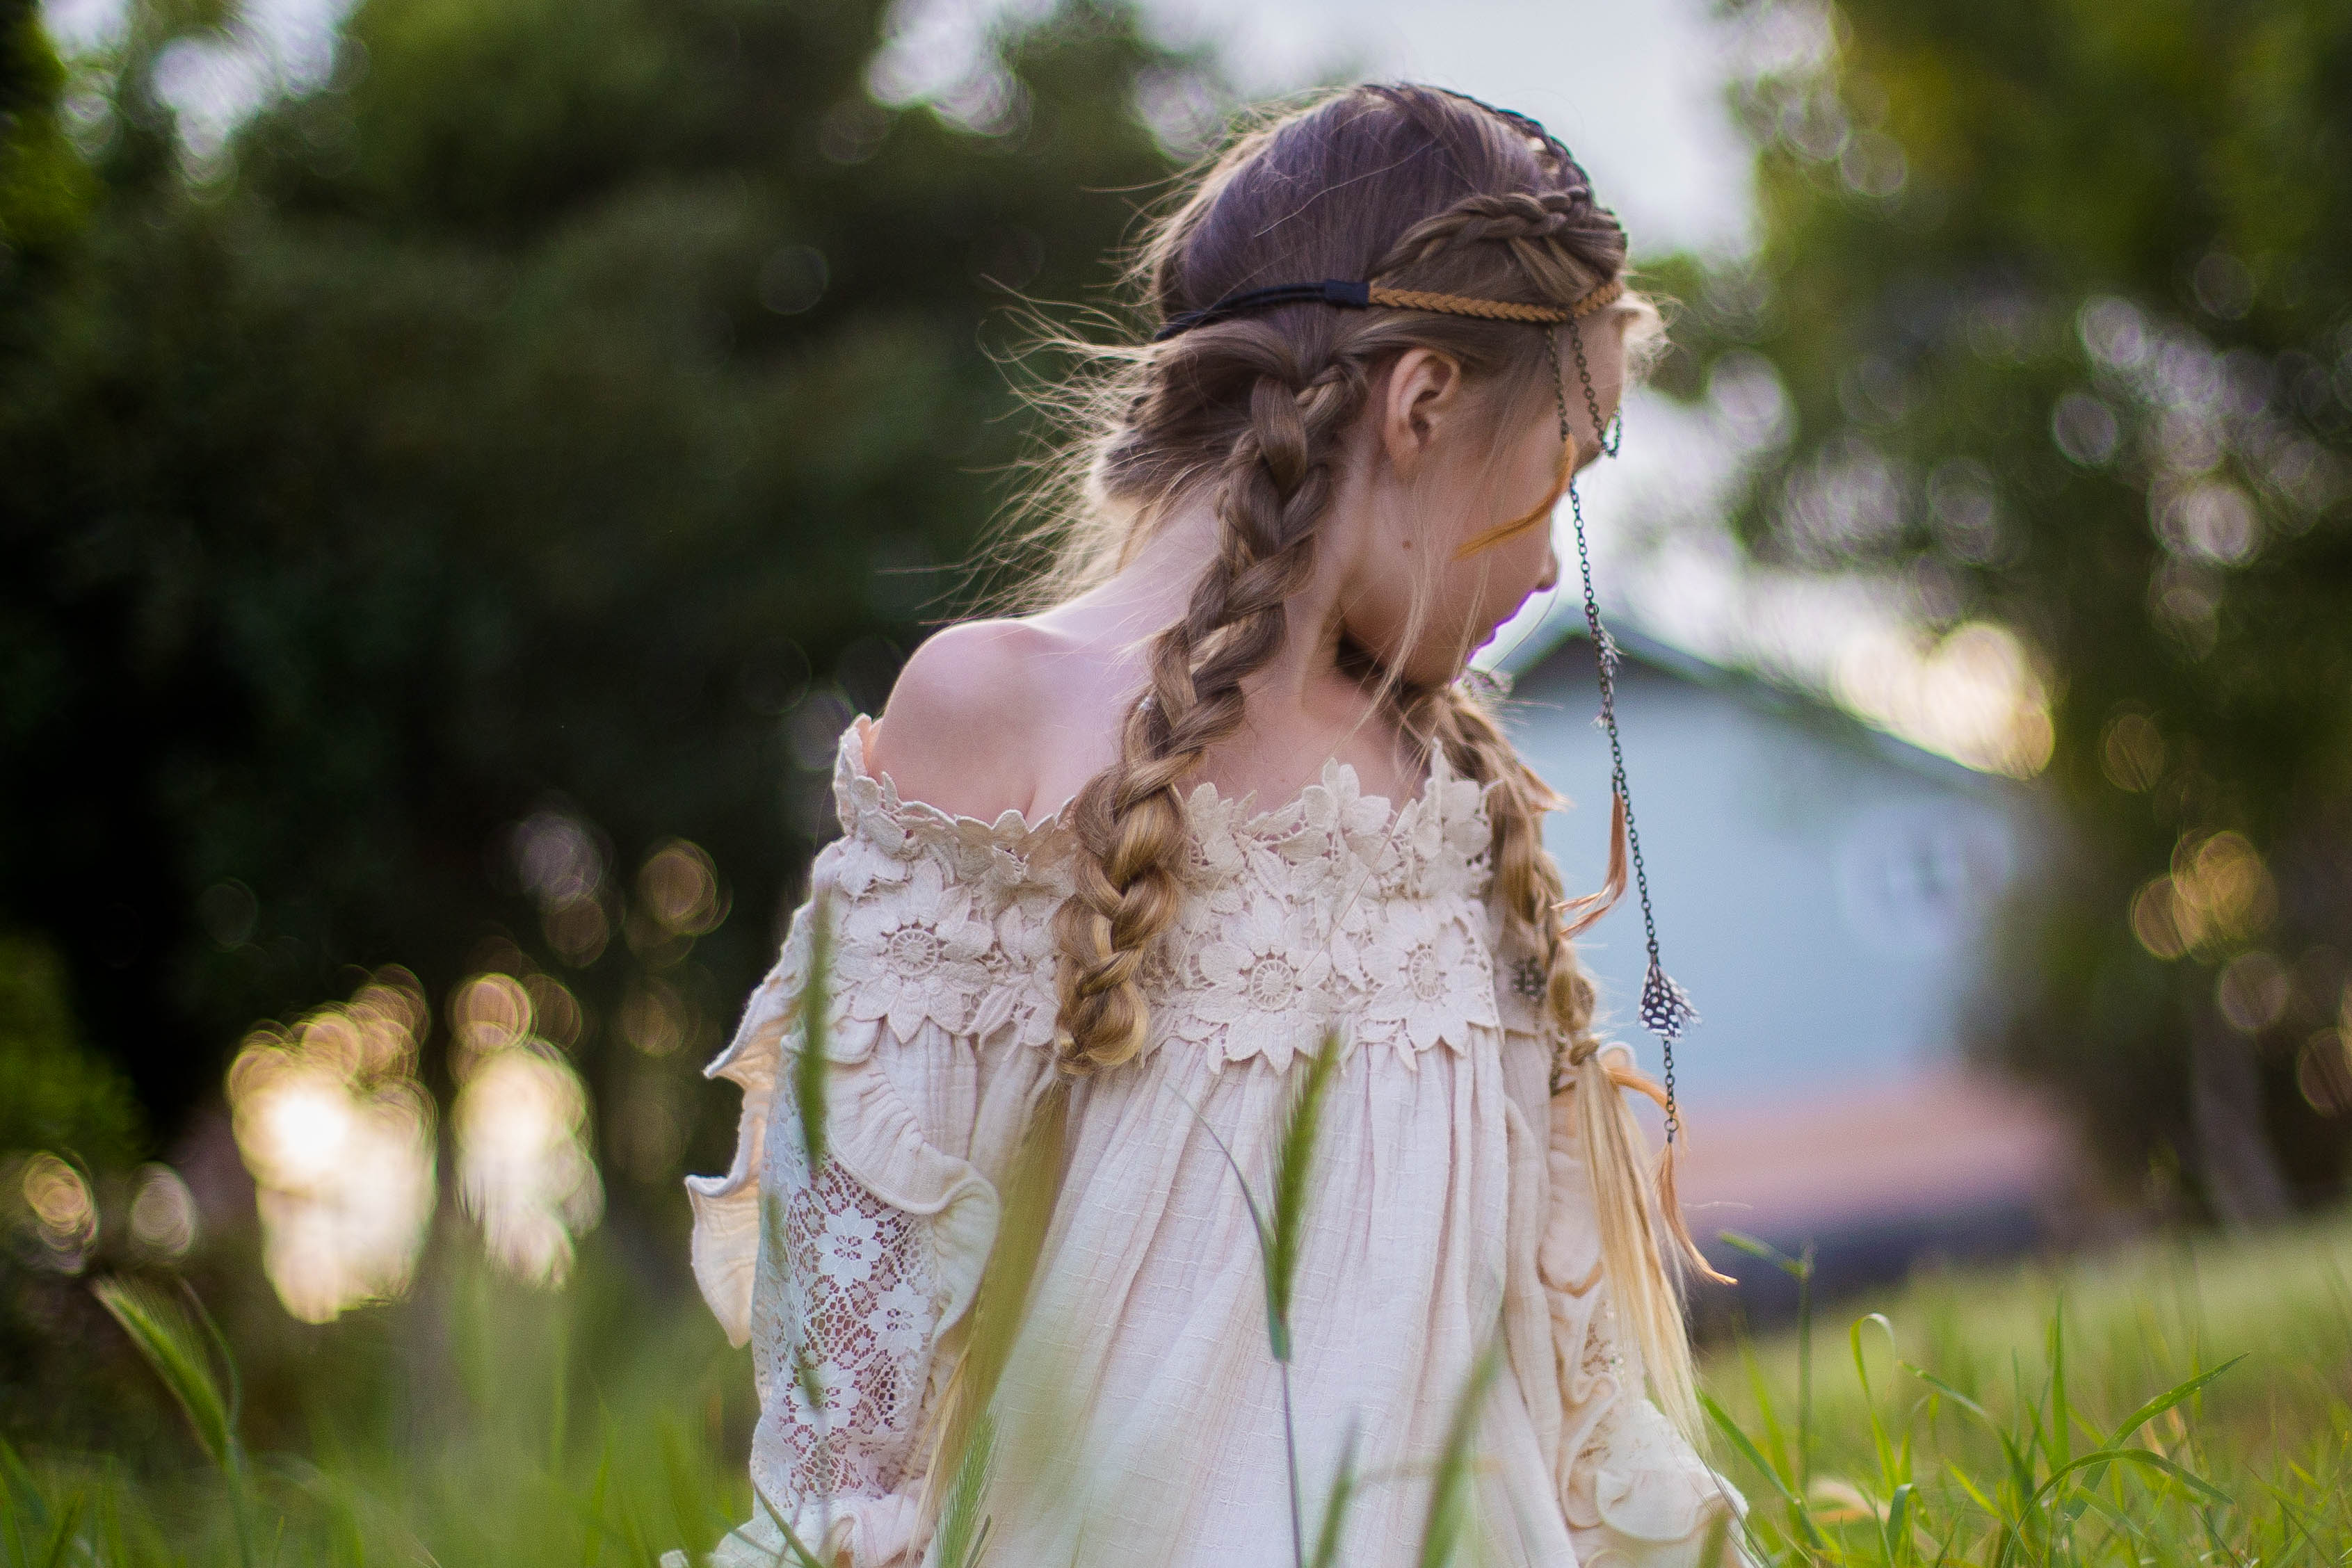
x=1823, y=894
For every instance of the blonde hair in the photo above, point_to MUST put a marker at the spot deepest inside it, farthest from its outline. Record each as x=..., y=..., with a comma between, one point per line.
x=1408, y=188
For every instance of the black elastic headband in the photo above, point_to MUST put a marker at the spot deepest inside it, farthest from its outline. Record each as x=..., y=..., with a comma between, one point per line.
x=1330, y=291
x=1353, y=296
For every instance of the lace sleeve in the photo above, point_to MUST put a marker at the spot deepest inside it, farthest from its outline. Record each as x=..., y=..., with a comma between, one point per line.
x=1635, y=1493
x=846, y=1311
x=846, y=1279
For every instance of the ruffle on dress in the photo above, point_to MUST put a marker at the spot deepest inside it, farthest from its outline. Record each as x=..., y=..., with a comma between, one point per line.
x=869, y=1130
x=917, y=940
x=1632, y=1487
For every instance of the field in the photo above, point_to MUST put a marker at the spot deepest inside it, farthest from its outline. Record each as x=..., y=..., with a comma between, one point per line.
x=2180, y=1401
x=2177, y=1401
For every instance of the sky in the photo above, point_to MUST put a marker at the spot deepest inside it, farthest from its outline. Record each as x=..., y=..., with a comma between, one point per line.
x=1634, y=88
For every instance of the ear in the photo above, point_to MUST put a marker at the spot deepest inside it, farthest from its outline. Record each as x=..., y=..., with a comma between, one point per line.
x=1422, y=398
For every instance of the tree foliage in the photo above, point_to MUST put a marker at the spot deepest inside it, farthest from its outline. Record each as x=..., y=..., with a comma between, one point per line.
x=43, y=188
x=2058, y=303
x=562, y=417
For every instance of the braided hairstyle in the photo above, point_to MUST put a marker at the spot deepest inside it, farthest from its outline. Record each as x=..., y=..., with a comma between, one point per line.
x=1408, y=188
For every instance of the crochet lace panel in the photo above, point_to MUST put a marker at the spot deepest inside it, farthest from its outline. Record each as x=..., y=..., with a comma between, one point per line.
x=843, y=1341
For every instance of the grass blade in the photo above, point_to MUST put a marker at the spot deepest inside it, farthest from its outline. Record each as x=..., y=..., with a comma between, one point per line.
x=2018, y=1469
x=1294, y=1159
x=2062, y=1442
x=1336, y=1504
x=167, y=1339
x=816, y=1017
x=801, y=1554
x=62, y=1535
x=26, y=1504
x=1890, y=1472
x=1000, y=1308
x=2163, y=1402
x=1745, y=1447
x=963, y=1530
x=165, y=1332
x=1449, y=1492
x=1776, y=1442
x=1894, y=1533
x=2194, y=1482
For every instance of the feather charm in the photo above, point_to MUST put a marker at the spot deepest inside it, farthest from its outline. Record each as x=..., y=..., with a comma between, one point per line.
x=1667, y=1009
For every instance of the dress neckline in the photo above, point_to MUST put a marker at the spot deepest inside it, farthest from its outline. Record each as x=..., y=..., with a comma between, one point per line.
x=1337, y=793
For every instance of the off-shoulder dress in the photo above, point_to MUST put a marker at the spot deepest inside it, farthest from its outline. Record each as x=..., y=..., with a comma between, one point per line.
x=1449, y=1211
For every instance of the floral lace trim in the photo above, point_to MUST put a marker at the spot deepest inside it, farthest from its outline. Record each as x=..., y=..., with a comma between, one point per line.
x=1436, y=839
x=1336, y=909
x=846, y=1314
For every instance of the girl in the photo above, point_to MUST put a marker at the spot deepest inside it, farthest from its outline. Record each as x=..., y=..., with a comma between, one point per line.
x=1111, y=873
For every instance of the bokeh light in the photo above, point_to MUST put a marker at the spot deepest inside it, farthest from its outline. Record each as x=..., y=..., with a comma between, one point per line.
x=2218, y=893
x=1972, y=695
x=525, y=1172
x=59, y=1211
x=561, y=861
x=2131, y=752
x=163, y=1219
x=338, y=1135
x=2252, y=991
x=654, y=1018
x=2206, y=522
x=679, y=886
x=557, y=1016
x=2323, y=1071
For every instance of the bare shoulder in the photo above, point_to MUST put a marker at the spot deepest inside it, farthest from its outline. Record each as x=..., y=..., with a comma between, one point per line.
x=963, y=726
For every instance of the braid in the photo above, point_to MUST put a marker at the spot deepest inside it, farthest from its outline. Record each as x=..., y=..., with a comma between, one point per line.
x=1562, y=240
x=1530, y=889
x=1273, y=488
x=1509, y=216
x=1531, y=895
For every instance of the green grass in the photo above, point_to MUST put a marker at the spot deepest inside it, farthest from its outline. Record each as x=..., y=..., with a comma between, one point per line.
x=2173, y=1401
x=481, y=1423
x=2041, y=1415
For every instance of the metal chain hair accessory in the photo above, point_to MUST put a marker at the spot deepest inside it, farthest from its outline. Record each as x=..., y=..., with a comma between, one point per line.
x=1353, y=296
x=1666, y=1006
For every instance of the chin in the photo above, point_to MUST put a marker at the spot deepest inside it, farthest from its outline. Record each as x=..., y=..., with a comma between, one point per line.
x=1424, y=664
x=1434, y=668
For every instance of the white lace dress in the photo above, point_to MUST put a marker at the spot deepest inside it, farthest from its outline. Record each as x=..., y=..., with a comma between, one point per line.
x=1142, y=1418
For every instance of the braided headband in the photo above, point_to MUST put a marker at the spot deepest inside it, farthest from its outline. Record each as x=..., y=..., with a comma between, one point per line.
x=1349, y=296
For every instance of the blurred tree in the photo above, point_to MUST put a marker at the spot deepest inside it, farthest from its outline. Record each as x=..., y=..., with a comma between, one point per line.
x=2054, y=304
x=45, y=188
x=55, y=1096
x=525, y=449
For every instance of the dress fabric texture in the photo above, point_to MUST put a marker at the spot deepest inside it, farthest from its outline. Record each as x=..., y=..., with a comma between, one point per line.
x=1450, y=1222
